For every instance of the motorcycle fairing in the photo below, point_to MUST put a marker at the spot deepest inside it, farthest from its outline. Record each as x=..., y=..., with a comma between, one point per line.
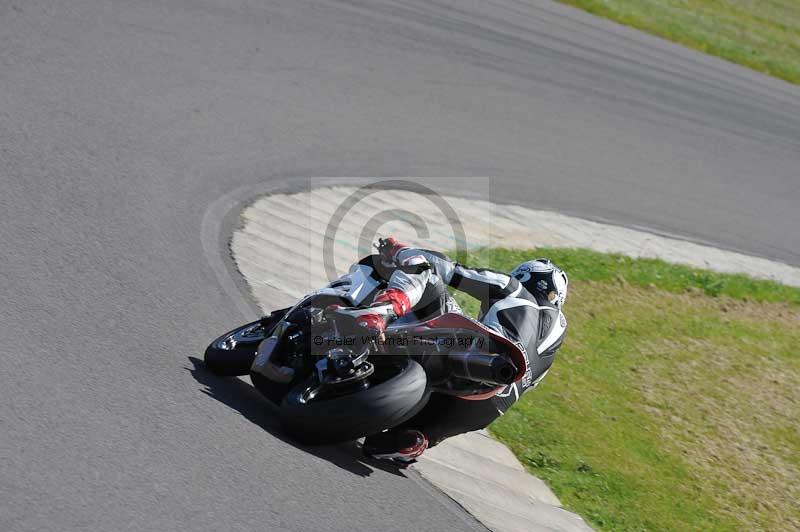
x=452, y=320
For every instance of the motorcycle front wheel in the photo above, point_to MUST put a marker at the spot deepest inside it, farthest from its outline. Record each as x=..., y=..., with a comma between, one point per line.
x=315, y=418
x=233, y=353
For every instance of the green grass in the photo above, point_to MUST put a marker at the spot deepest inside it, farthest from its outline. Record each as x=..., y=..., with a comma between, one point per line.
x=761, y=34
x=674, y=403
x=586, y=265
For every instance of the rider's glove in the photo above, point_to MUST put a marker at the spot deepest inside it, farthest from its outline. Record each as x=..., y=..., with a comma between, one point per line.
x=388, y=248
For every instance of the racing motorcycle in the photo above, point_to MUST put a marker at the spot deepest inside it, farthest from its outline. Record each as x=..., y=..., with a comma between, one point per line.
x=334, y=382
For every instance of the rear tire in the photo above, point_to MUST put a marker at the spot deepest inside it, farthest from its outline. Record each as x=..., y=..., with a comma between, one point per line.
x=352, y=416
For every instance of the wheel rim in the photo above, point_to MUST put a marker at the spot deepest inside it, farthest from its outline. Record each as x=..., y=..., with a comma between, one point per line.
x=315, y=391
x=248, y=333
x=251, y=333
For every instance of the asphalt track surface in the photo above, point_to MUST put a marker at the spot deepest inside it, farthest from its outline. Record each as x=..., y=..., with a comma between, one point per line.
x=122, y=123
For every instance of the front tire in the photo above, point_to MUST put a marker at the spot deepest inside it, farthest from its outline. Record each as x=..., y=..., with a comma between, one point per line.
x=347, y=417
x=233, y=353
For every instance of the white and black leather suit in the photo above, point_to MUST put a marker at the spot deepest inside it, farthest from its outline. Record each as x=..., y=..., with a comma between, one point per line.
x=524, y=317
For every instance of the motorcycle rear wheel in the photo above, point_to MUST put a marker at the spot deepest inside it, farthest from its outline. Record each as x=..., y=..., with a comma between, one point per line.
x=347, y=417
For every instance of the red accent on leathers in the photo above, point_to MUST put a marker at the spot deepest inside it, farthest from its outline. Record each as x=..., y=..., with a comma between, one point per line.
x=374, y=322
x=397, y=298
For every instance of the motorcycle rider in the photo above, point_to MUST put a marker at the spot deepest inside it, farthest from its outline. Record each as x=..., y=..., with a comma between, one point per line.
x=523, y=306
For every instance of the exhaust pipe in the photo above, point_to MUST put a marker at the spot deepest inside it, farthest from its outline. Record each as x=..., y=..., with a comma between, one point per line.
x=493, y=369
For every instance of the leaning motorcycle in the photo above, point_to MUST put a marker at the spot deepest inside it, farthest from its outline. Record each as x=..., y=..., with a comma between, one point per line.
x=334, y=382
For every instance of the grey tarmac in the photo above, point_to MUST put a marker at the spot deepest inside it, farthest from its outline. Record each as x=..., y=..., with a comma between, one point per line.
x=123, y=123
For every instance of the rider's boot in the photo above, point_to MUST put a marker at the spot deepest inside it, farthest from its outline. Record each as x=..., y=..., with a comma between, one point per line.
x=400, y=445
x=388, y=305
x=374, y=317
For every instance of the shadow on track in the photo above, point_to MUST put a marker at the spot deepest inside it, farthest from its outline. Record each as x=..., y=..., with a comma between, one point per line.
x=245, y=399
